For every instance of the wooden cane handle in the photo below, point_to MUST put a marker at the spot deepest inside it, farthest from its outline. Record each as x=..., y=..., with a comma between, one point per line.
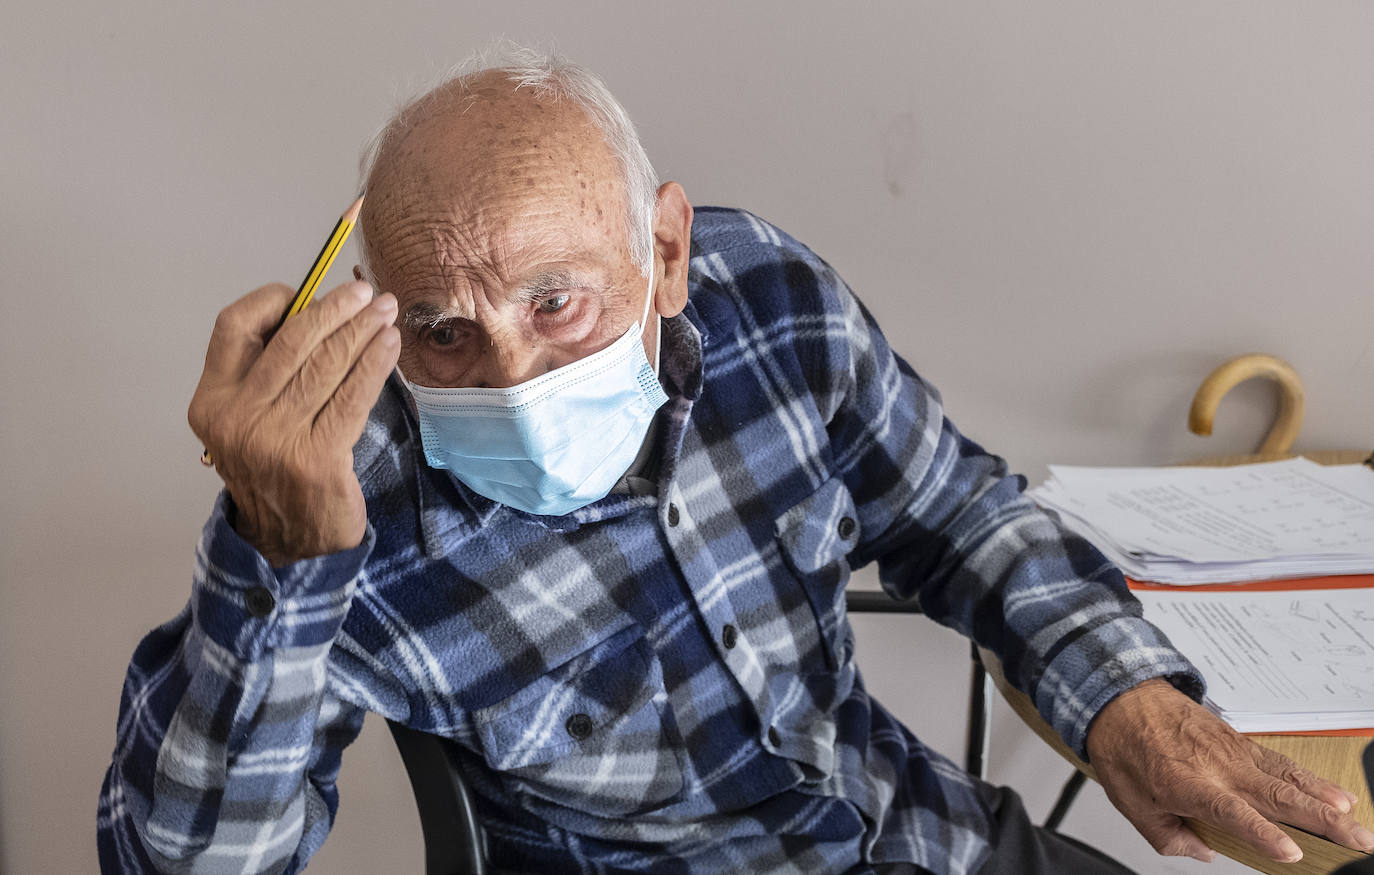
x=1239, y=369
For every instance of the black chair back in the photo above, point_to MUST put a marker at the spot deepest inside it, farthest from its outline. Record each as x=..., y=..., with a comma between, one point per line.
x=453, y=836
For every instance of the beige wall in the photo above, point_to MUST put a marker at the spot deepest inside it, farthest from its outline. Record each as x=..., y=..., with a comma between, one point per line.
x=1064, y=213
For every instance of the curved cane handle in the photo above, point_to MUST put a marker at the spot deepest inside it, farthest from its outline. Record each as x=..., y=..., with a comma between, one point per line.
x=1239, y=369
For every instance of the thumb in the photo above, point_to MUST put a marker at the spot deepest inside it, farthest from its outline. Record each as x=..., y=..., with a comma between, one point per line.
x=1171, y=837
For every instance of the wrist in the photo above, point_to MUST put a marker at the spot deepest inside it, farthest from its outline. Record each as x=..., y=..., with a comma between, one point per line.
x=280, y=538
x=1131, y=709
x=247, y=527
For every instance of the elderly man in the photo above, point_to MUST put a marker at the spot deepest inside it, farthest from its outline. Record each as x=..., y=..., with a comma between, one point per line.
x=596, y=529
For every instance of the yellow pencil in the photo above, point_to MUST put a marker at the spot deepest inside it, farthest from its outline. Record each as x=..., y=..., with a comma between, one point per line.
x=331, y=248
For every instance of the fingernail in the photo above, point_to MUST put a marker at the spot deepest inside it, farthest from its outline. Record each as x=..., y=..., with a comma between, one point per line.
x=1291, y=852
x=1206, y=856
x=386, y=303
x=1365, y=838
x=1351, y=796
x=1343, y=805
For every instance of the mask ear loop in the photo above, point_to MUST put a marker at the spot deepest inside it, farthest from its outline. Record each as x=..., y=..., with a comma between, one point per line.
x=644, y=317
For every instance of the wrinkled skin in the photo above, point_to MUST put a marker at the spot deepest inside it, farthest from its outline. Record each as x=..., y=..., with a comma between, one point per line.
x=1161, y=756
x=281, y=417
x=523, y=267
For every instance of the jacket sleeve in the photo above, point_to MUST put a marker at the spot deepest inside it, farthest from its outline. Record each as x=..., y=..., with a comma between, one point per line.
x=950, y=527
x=229, y=738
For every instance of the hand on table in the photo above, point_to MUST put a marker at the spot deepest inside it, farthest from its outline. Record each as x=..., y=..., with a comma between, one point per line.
x=1161, y=757
x=280, y=414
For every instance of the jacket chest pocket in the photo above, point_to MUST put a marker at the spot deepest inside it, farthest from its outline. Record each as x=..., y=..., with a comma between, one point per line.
x=596, y=734
x=815, y=537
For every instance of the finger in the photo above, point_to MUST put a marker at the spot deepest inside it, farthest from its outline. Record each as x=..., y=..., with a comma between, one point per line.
x=348, y=409
x=1284, y=769
x=1170, y=836
x=241, y=331
x=1280, y=800
x=1232, y=814
x=300, y=335
x=325, y=369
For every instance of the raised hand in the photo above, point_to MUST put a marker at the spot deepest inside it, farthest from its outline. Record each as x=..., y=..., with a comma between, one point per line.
x=1162, y=757
x=280, y=414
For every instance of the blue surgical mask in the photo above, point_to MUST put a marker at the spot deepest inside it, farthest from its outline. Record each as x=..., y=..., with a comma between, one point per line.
x=552, y=444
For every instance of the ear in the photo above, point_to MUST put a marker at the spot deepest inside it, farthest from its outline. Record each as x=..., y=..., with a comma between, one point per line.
x=673, y=247
x=358, y=272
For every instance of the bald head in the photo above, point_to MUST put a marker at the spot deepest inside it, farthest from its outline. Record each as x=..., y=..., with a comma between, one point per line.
x=515, y=227
x=483, y=154
x=507, y=67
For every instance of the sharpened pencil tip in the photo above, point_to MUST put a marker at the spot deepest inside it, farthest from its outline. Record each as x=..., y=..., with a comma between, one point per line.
x=351, y=214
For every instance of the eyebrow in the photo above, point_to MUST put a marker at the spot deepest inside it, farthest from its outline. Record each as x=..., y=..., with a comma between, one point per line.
x=546, y=284
x=427, y=314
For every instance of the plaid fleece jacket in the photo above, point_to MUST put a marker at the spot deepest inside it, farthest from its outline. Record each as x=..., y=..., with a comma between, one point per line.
x=662, y=681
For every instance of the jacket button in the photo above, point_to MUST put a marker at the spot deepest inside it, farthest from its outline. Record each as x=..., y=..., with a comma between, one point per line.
x=729, y=636
x=773, y=737
x=259, y=601
x=673, y=515
x=579, y=726
x=846, y=527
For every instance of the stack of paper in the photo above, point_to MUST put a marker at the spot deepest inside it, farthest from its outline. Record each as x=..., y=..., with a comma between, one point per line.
x=1293, y=518
x=1284, y=661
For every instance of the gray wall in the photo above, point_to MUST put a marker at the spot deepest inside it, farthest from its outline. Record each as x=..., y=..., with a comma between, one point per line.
x=1064, y=213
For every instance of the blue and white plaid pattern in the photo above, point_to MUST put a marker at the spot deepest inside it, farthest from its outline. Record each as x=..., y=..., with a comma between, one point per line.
x=658, y=682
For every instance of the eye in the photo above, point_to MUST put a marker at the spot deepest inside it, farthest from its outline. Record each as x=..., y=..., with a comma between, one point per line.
x=554, y=303
x=443, y=335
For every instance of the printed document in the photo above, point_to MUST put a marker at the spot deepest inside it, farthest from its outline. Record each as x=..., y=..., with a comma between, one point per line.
x=1279, y=661
x=1293, y=518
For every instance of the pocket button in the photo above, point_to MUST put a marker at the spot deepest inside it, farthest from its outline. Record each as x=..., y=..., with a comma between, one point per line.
x=579, y=726
x=846, y=527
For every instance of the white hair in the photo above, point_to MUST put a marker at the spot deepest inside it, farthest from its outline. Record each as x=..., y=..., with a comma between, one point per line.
x=549, y=76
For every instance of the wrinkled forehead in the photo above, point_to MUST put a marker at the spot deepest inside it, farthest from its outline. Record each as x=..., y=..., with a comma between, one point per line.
x=491, y=176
